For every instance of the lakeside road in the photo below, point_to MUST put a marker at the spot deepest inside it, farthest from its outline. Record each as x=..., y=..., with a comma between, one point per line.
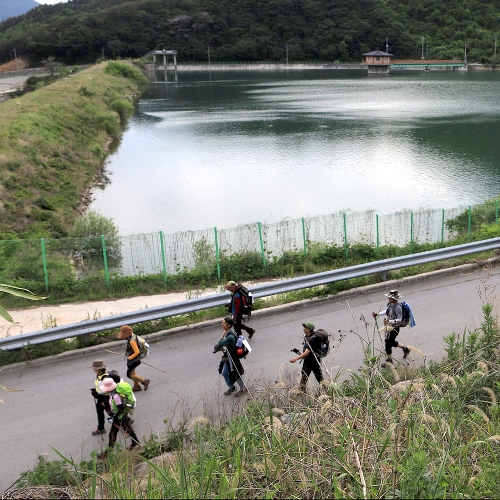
x=56, y=409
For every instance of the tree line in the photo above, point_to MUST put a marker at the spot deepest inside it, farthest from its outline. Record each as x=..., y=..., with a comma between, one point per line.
x=82, y=31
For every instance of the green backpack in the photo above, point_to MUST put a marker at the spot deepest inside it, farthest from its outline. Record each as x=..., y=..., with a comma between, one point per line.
x=125, y=392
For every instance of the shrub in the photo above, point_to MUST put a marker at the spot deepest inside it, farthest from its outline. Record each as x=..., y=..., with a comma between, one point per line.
x=125, y=71
x=123, y=108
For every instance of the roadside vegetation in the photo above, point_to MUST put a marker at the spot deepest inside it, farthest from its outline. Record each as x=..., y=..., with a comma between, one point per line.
x=411, y=431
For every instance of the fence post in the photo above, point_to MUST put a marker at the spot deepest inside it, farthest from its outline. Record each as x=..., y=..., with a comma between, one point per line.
x=163, y=262
x=262, y=251
x=442, y=229
x=44, y=262
x=304, y=236
x=105, y=258
x=469, y=224
x=217, y=256
x=411, y=232
x=345, y=237
x=378, y=236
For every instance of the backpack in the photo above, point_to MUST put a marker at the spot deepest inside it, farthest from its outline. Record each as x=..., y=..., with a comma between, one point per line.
x=143, y=346
x=246, y=299
x=325, y=342
x=128, y=397
x=407, y=315
x=242, y=347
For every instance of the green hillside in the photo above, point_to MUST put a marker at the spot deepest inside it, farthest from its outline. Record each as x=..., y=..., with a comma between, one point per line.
x=254, y=30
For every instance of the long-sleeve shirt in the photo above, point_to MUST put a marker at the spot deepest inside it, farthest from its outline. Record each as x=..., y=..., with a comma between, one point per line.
x=394, y=313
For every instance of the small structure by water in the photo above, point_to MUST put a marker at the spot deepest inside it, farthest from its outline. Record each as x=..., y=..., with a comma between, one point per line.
x=165, y=55
x=378, y=62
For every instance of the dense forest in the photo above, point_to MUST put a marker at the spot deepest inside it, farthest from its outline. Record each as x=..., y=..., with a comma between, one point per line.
x=81, y=31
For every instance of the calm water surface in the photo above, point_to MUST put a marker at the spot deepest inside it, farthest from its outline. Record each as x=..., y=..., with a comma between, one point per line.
x=233, y=148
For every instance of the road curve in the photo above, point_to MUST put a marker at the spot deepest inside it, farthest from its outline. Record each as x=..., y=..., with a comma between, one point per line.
x=56, y=408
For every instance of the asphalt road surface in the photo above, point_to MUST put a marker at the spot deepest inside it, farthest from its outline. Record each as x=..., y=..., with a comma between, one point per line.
x=57, y=411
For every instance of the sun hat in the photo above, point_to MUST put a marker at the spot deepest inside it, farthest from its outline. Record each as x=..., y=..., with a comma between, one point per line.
x=125, y=332
x=98, y=364
x=393, y=294
x=309, y=326
x=230, y=284
x=108, y=385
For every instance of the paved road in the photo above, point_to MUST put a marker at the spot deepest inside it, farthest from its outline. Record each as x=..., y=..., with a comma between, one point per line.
x=56, y=409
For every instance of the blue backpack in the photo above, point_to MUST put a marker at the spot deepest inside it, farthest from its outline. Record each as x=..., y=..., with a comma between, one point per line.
x=407, y=315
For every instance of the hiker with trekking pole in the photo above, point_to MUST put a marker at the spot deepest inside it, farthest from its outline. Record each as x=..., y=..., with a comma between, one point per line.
x=136, y=349
x=122, y=402
x=101, y=399
x=398, y=315
x=230, y=366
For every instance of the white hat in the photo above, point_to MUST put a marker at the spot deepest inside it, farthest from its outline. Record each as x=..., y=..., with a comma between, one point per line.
x=393, y=294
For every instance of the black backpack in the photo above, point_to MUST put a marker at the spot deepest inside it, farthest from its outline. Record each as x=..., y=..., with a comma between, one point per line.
x=246, y=299
x=325, y=342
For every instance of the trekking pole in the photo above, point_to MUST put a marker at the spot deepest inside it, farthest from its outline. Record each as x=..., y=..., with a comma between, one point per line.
x=127, y=435
x=143, y=362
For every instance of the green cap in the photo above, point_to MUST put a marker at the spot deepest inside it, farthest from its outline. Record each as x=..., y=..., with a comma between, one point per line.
x=309, y=326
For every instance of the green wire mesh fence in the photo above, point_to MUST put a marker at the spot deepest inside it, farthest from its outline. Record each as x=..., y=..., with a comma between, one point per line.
x=170, y=254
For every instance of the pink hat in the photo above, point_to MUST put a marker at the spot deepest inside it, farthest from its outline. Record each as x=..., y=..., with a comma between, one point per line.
x=108, y=385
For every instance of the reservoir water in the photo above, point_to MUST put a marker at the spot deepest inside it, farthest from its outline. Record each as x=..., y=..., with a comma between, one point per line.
x=228, y=148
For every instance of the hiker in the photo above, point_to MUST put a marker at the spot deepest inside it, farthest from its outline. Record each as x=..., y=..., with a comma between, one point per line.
x=133, y=361
x=230, y=366
x=101, y=399
x=235, y=308
x=394, y=313
x=121, y=419
x=311, y=356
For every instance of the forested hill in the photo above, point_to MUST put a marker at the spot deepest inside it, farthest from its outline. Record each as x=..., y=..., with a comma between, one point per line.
x=254, y=30
x=10, y=8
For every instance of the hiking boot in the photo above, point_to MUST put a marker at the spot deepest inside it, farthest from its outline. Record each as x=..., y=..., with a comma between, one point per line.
x=241, y=392
x=146, y=384
x=137, y=388
x=103, y=455
x=98, y=431
x=250, y=333
x=230, y=391
x=133, y=446
x=406, y=351
x=386, y=362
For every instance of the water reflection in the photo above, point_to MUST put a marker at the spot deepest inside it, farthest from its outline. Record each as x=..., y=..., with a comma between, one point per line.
x=240, y=148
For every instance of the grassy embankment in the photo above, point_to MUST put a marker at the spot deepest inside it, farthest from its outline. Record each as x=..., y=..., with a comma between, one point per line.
x=52, y=144
x=405, y=432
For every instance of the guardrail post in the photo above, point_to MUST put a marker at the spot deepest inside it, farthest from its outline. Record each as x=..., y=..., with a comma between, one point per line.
x=217, y=256
x=105, y=258
x=469, y=224
x=163, y=261
x=411, y=232
x=442, y=229
x=378, y=236
x=262, y=249
x=345, y=238
x=304, y=236
x=44, y=262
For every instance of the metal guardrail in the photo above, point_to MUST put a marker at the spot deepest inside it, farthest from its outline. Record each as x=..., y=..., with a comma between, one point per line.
x=192, y=305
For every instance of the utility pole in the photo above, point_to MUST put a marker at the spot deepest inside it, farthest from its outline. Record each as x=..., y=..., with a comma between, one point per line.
x=286, y=48
x=208, y=52
x=386, y=45
x=465, y=60
x=423, y=41
x=495, y=46
x=15, y=56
